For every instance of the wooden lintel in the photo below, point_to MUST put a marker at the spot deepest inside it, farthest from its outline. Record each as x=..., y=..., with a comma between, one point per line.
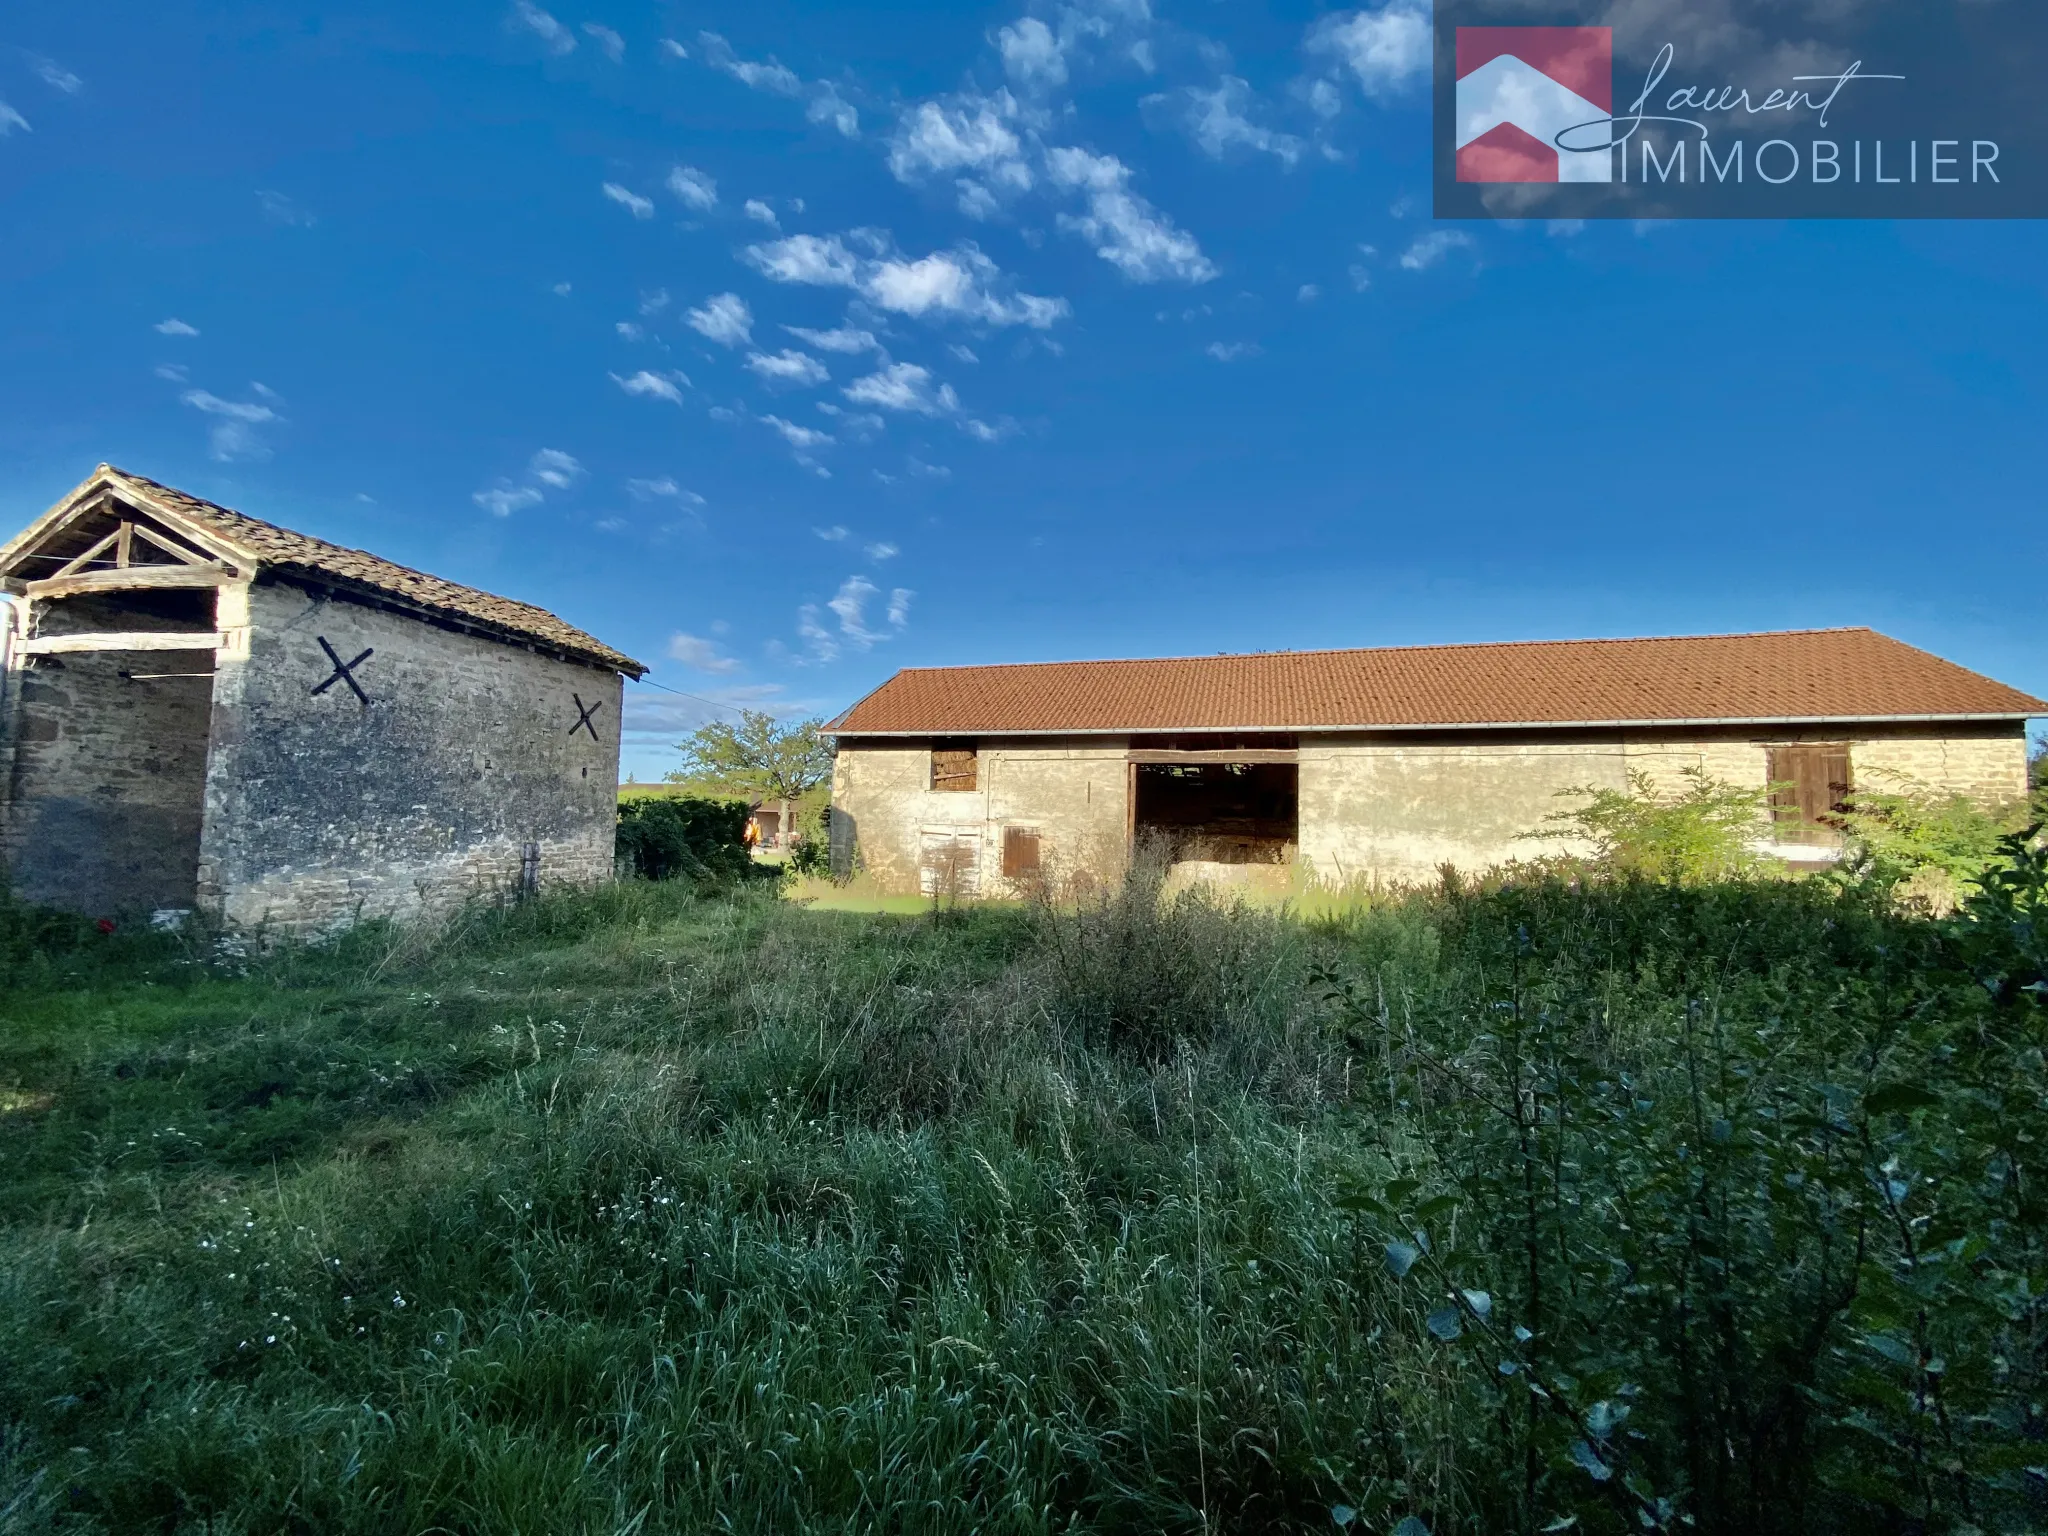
x=135, y=578
x=1223, y=755
x=134, y=640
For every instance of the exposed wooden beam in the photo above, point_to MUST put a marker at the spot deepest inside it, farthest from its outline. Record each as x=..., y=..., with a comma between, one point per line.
x=171, y=547
x=1224, y=755
x=134, y=640
x=79, y=562
x=135, y=578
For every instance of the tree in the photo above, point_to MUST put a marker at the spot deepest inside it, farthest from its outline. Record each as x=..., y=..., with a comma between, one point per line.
x=758, y=759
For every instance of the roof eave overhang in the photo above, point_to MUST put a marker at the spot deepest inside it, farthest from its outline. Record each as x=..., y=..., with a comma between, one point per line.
x=1390, y=726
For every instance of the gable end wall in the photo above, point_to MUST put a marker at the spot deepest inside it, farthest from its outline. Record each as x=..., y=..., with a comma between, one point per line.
x=320, y=809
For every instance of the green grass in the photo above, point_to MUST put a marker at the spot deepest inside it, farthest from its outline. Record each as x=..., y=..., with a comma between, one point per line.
x=644, y=1211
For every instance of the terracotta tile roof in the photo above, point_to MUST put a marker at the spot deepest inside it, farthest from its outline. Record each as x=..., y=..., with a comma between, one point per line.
x=1800, y=675
x=280, y=549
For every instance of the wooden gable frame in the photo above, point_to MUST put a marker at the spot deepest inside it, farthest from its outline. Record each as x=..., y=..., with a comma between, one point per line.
x=198, y=557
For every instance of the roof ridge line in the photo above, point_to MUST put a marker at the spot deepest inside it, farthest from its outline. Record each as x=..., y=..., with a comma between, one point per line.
x=1447, y=645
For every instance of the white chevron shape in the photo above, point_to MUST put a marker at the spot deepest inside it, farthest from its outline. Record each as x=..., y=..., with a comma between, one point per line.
x=1506, y=90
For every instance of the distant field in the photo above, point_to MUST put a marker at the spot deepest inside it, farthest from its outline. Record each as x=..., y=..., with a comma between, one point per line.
x=1536, y=1209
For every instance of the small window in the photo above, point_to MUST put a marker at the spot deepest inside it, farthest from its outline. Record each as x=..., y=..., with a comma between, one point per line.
x=1020, y=853
x=954, y=768
x=1808, y=788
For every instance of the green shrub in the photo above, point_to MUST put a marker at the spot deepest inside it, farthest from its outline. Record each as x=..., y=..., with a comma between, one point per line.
x=1907, y=833
x=668, y=838
x=1706, y=832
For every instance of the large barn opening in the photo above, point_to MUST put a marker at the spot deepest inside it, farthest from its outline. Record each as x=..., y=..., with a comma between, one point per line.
x=110, y=766
x=1218, y=812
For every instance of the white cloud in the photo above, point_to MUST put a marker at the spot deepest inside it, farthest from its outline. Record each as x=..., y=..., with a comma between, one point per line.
x=965, y=354
x=777, y=79
x=560, y=39
x=640, y=207
x=662, y=489
x=175, y=372
x=880, y=552
x=55, y=75
x=833, y=110
x=674, y=49
x=551, y=466
x=1564, y=229
x=903, y=387
x=1031, y=55
x=1219, y=122
x=836, y=534
x=213, y=405
x=279, y=209
x=1385, y=49
x=11, y=120
x=819, y=642
x=924, y=471
x=788, y=367
x=629, y=330
x=975, y=200
x=1308, y=293
x=176, y=327
x=654, y=303
x=969, y=135
x=850, y=605
x=609, y=42
x=846, y=339
x=982, y=431
x=653, y=386
x=953, y=284
x=821, y=262
x=800, y=438
x=504, y=500
x=724, y=319
x=1432, y=246
x=563, y=290
x=693, y=187
x=698, y=653
x=234, y=436
x=1231, y=351
x=1128, y=232
x=761, y=213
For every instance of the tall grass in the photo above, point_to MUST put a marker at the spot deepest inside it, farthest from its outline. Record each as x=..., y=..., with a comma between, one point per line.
x=648, y=1210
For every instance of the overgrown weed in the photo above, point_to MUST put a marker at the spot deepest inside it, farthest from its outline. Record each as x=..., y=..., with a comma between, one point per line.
x=699, y=1210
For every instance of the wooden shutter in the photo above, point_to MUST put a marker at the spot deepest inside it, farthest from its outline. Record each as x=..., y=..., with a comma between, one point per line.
x=954, y=768
x=1808, y=787
x=1020, y=853
x=949, y=862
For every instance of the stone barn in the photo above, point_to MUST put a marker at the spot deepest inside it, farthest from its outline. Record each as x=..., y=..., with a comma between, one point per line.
x=204, y=711
x=1383, y=766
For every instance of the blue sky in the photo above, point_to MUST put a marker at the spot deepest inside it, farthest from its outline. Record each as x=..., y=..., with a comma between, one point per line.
x=786, y=345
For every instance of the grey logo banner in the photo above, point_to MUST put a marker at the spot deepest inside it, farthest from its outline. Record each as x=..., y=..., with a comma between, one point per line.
x=1741, y=109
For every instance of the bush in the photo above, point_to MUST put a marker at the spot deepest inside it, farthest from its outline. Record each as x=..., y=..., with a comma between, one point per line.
x=1909, y=835
x=668, y=838
x=1707, y=832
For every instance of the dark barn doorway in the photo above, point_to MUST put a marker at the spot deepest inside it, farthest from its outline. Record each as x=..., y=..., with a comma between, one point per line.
x=1219, y=813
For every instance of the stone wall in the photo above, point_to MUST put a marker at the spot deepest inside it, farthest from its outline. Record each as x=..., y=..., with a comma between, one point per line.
x=107, y=768
x=321, y=808
x=1374, y=810
x=1071, y=793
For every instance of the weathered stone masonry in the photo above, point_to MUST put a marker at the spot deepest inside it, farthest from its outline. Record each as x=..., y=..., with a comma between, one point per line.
x=338, y=737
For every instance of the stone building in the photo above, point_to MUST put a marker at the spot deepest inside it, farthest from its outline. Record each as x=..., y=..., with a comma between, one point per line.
x=202, y=710
x=1383, y=766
